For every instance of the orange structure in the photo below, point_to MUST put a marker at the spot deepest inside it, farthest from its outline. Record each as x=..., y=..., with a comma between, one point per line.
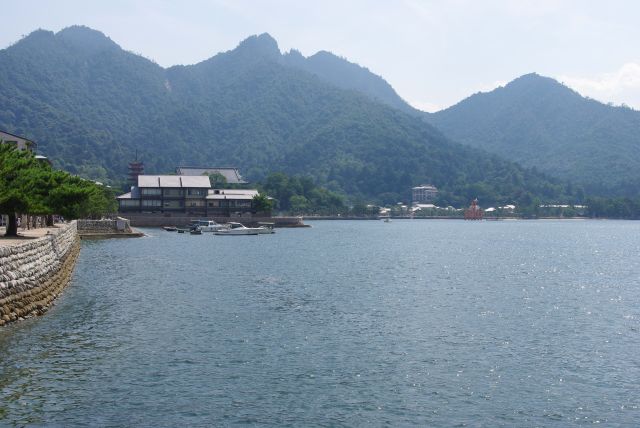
x=474, y=212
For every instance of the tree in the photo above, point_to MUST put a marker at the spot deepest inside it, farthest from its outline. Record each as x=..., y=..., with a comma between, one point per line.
x=17, y=168
x=217, y=180
x=262, y=203
x=299, y=204
x=31, y=187
x=102, y=200
x=300, y=194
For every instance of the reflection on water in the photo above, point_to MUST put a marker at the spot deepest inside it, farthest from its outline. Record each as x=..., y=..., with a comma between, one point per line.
x=347, y=323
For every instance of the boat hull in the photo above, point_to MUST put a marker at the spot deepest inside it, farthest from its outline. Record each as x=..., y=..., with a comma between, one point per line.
x=236, y=232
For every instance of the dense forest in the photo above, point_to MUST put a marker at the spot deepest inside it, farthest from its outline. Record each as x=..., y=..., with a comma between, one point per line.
x=534, y=120
x=626, y=208
x=541, y=123
x=90, y=105
x=347, y=75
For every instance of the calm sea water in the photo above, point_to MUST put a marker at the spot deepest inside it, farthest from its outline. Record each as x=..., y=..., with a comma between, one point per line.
x=431, y=323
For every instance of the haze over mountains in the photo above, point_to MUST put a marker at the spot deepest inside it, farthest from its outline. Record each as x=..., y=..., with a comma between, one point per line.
x=90, y=105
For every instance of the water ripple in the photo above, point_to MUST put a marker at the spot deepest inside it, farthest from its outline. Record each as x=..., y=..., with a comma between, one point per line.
x=426, y=323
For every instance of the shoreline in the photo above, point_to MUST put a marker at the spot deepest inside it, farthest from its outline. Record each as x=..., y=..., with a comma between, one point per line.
x=333, y=218
x=34, y=271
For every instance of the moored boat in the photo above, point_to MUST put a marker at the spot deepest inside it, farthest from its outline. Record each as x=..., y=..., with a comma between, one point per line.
x=239, y=229
x=170, y=228
x=208, y=225
x=266, y=228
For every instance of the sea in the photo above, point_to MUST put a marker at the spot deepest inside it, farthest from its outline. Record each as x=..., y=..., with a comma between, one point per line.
x=346, y=323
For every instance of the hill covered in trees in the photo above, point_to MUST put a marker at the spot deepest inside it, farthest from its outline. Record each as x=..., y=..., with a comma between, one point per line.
x=541, y=123
x=347, y=75
x=90, y=104
x=534, y=120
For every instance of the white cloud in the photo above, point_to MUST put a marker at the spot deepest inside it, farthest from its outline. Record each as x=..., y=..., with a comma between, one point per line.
x=619, y=87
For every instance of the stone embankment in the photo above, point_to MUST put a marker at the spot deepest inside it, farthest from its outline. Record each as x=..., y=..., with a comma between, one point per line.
x=117, y=228
x=34, y=273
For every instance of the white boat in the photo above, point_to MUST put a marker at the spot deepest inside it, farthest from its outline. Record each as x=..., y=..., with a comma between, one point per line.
x=209, y=225
x=239, y=229
x=266, y=228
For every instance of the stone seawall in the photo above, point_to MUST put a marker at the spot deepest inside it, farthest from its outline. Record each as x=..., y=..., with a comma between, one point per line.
x=103, y=229
x=34, y=273
x=119, y=225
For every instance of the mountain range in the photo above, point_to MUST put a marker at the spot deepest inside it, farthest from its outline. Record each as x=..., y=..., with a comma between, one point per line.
x=535, y=121
x=538, y=122
x=90, y=105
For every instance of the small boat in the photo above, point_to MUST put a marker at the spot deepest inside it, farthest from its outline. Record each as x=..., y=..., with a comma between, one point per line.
x=266, y=228
x=181, y=230
x=208, y=225
x=239, y=229
x=196, y=231
x=170, y=228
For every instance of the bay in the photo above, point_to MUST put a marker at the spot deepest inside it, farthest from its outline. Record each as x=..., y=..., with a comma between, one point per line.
x=348, y=323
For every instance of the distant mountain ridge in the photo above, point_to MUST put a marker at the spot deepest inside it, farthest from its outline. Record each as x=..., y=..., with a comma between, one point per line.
x=347, y=75
x=534, y=120
x=539, y=122
x=90, y=105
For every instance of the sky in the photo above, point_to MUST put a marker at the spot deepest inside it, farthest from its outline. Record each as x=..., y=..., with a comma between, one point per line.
x=434, y=53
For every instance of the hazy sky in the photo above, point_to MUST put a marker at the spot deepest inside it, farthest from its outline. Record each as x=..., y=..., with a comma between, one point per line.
x=434, y=53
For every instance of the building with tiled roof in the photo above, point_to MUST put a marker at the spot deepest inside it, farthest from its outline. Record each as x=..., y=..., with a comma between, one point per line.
x=184, y=194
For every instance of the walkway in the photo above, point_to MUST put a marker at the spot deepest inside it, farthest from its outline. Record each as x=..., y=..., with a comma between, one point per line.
x=25, y=235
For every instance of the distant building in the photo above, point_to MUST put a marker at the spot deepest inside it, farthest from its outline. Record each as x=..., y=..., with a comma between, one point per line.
x=425, y=193
x=185, y=194
x=230, y=174
x=41, y=158
x=21, y=143
x=425, y=207
x=222, y=201
x=160, y=193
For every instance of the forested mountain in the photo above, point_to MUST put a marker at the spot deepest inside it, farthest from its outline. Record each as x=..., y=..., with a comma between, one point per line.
x=533, y=120
x=541, y=123
x=347, y=75
x=90, y=105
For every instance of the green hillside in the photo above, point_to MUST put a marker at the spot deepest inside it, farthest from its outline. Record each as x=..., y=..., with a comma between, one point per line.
x=541, y=123
x=534, y=121
x=347, y=75
x=90, y=105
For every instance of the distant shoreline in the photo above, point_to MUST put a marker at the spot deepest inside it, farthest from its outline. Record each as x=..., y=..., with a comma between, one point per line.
x=460, y=218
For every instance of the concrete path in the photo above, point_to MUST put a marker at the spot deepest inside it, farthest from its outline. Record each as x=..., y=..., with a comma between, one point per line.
x=25, y=235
